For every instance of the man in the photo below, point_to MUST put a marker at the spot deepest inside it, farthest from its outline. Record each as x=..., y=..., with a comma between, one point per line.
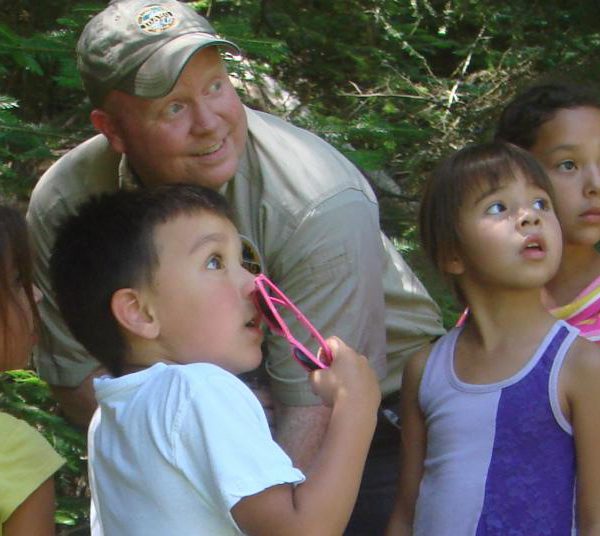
x=167, y=112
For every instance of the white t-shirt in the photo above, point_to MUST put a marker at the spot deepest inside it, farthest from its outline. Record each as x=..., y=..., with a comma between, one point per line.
x=174, y=447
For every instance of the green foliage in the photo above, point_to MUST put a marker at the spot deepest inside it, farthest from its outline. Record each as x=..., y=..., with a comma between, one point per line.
x=25, y=396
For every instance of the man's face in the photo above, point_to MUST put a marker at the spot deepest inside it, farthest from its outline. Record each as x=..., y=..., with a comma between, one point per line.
x=195, y=134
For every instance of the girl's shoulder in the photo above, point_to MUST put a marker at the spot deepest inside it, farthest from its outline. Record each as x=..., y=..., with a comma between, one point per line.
x=416, y=365
x=583, y=357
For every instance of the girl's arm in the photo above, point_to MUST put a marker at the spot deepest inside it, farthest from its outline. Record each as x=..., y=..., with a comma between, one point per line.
x=35, y=515
x=323, y=503
x=414, y=441
x=582, y=389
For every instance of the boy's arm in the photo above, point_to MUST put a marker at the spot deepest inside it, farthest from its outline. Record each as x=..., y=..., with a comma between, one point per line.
x=582, y=381
x=414, y=440
x=323, y=503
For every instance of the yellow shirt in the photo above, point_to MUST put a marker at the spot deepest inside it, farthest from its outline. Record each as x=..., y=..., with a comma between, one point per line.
x=26, y=461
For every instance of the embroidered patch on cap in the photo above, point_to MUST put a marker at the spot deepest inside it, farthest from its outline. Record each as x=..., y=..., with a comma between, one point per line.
x=156, y=19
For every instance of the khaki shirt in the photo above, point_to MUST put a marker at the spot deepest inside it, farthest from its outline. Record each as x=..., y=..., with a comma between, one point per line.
x=314, y=220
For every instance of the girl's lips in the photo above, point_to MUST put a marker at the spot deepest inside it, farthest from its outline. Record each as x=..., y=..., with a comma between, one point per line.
x=591, y=215
x=534, y=247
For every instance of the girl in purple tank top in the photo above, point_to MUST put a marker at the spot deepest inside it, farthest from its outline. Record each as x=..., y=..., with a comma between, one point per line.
x=500, y=416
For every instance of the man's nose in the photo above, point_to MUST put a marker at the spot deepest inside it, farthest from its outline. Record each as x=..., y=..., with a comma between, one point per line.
x=203, y=117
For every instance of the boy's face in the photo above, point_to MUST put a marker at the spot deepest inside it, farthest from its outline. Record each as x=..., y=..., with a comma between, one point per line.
x=509, y=237
x=568, y=146
x=201, y=295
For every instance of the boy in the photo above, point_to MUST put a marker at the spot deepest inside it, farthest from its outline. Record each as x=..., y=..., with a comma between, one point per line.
x=151, y=283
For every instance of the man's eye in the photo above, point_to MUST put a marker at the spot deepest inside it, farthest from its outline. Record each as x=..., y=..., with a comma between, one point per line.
x=173, y=109
x=541, y=204
x=495, y=208
x=216, y=86
x=214, y=263
x=567, y=165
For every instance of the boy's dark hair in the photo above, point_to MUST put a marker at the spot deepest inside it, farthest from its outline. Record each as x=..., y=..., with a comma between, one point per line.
x=109, y=245
x=474, y=167
x=14, y=254
x=529, y=110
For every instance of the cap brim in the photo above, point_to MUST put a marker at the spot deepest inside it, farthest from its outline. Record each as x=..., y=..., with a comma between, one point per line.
x=159, y=73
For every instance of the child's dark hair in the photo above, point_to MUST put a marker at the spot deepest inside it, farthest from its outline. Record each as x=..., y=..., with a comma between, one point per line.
x=472, y=168
x=529, y=110
x=109, y=245
x=15, y=254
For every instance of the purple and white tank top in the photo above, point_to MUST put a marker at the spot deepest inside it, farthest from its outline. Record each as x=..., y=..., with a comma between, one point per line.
x=500, y=457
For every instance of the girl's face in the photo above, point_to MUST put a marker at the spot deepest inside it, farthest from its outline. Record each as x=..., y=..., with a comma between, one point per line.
x=568, y=146
x=509, y=237
x=18, y=334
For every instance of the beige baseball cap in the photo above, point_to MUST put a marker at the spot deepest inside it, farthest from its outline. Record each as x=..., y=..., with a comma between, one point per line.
x=141, y=46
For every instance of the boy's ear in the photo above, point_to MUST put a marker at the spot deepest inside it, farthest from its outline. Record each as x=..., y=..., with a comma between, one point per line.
x=132, y=312
x=105, y=123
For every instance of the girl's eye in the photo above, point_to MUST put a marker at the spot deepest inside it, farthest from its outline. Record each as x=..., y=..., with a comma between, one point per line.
x=215, y=263
x=495, y=208
x=541, y=204
x=567, y=165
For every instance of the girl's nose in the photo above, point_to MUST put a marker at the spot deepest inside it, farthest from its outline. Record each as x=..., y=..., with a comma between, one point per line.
x=592, y=183
x=529, y=216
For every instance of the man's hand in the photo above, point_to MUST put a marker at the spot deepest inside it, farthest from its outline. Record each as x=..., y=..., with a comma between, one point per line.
x=78, y=403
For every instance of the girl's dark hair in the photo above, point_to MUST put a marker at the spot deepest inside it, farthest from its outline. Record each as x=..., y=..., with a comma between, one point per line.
x=529, y=110
x=15, y=259
x=474, y=167
x=110, y=245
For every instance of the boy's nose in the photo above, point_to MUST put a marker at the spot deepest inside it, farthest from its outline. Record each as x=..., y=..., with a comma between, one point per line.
x=247, y=286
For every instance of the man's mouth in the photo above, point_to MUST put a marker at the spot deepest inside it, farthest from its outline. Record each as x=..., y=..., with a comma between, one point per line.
x=210, y=149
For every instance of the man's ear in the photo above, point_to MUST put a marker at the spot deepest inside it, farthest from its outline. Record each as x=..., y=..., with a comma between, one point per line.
x=106, y=123
x=133, y=313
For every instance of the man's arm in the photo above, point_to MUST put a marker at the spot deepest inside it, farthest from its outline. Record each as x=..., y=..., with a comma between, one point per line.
x=89, y=169
x=300, y=431
x=78, y=403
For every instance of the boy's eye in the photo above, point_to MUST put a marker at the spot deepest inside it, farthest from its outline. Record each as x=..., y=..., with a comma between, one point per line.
x=567, y=165
x=541, y=204
x=495, y=208
x=214, y=263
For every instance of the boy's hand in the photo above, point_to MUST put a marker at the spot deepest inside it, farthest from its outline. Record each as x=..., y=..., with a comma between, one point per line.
x=350, y=377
